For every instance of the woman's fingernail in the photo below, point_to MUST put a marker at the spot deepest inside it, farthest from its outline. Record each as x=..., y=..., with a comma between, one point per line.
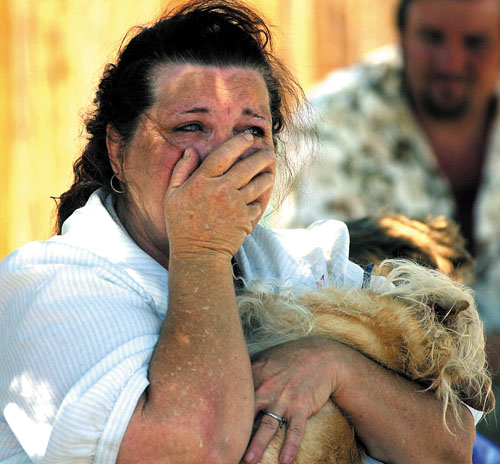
x=285, y=459
x=247, y=136
x=249, y=457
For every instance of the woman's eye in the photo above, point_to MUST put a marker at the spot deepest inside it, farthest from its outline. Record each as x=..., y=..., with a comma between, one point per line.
x=191, y=127
x=255, y=131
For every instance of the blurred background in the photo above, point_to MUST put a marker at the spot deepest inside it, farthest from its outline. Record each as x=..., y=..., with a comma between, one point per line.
x=52, y=53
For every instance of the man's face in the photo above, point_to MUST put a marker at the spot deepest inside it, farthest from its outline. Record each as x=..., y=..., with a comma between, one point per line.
x=451, y=51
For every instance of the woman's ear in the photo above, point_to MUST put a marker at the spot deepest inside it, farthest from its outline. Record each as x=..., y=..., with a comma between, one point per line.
x=113, y=145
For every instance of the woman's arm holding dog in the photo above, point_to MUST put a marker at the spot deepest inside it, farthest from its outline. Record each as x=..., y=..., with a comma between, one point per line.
x=394, y=419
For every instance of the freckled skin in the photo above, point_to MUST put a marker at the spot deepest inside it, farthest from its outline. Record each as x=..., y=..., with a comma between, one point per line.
x=196, y=189
x=199, y=173
x=198, y=107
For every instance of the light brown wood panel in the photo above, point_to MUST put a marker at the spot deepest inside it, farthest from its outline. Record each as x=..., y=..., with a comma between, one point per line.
x=5, y=124
x=347, y=30
x=57, y=51
x=52, y=55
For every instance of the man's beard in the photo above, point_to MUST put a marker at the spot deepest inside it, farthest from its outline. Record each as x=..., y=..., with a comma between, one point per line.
x=442, y=112
x=432, y=107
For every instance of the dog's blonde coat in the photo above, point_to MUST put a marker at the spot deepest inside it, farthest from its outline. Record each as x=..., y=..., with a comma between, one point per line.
x=424, y=326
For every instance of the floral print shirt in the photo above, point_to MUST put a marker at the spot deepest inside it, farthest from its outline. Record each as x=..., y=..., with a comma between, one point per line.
x=374, y=158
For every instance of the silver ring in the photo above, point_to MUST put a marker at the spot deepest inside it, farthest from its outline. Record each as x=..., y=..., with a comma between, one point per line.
x=281, y=420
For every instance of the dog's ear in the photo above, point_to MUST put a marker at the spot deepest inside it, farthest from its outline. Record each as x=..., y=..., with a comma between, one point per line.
x=483, y=400
x=489, y=400
x=448, y=310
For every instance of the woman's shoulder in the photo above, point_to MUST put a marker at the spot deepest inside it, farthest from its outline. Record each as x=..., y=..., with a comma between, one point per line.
x=66, y=264
x=42, y=265
x=76, y=246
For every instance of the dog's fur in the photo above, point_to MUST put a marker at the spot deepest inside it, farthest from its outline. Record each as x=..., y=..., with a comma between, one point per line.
x=435, y=242
x=425, y=327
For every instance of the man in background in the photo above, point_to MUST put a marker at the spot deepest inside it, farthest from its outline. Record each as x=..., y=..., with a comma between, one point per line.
x=417, y=132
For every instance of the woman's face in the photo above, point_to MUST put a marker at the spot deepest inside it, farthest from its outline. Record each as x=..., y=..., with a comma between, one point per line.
x=195, y=106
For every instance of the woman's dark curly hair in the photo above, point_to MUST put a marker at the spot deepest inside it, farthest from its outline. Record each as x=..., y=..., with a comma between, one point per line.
x=205, y=32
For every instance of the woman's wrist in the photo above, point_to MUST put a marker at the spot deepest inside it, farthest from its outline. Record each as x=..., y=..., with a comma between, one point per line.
x=345, y=362
x=204, y=258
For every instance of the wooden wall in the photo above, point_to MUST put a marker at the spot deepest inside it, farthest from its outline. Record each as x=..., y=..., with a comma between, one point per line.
x=51, y=56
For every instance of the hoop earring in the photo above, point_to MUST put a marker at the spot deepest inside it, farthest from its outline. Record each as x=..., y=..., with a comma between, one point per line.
x=119, y=192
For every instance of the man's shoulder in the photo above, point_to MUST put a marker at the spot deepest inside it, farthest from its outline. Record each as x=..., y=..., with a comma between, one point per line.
x=377, y=75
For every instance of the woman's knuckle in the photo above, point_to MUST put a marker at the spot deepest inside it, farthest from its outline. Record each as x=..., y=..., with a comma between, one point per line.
x=270, y=154
x=268, y=385
x=197, y=182
x=269, y=423
x=294, y=397
x=295, y=430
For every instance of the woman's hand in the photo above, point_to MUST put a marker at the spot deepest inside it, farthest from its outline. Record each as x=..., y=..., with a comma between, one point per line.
x=294, y=381
x=394, y=419
x=211, y=207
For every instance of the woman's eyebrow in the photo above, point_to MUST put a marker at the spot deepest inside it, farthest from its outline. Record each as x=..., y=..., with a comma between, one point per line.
x=195, y=110
x=245, y=111
x=252, y=113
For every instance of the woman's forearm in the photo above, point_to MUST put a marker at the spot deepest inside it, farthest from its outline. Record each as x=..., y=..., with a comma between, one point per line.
x=200, y=402
x=396, y=420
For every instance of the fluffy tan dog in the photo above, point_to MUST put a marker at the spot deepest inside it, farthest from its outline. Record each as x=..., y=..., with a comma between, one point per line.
x=435, y=242
x=425, y=326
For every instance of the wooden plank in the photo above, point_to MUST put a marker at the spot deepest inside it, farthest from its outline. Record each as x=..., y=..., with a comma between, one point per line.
x=348, y=29
x=5, y=128
x=58, y=54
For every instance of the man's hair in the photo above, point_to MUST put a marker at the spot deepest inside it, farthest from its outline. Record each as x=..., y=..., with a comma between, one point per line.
x=401, y=14
x=201, y=32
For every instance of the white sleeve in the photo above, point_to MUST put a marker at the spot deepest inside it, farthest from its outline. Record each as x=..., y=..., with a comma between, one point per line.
x=95, y=413
x=76, y=343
